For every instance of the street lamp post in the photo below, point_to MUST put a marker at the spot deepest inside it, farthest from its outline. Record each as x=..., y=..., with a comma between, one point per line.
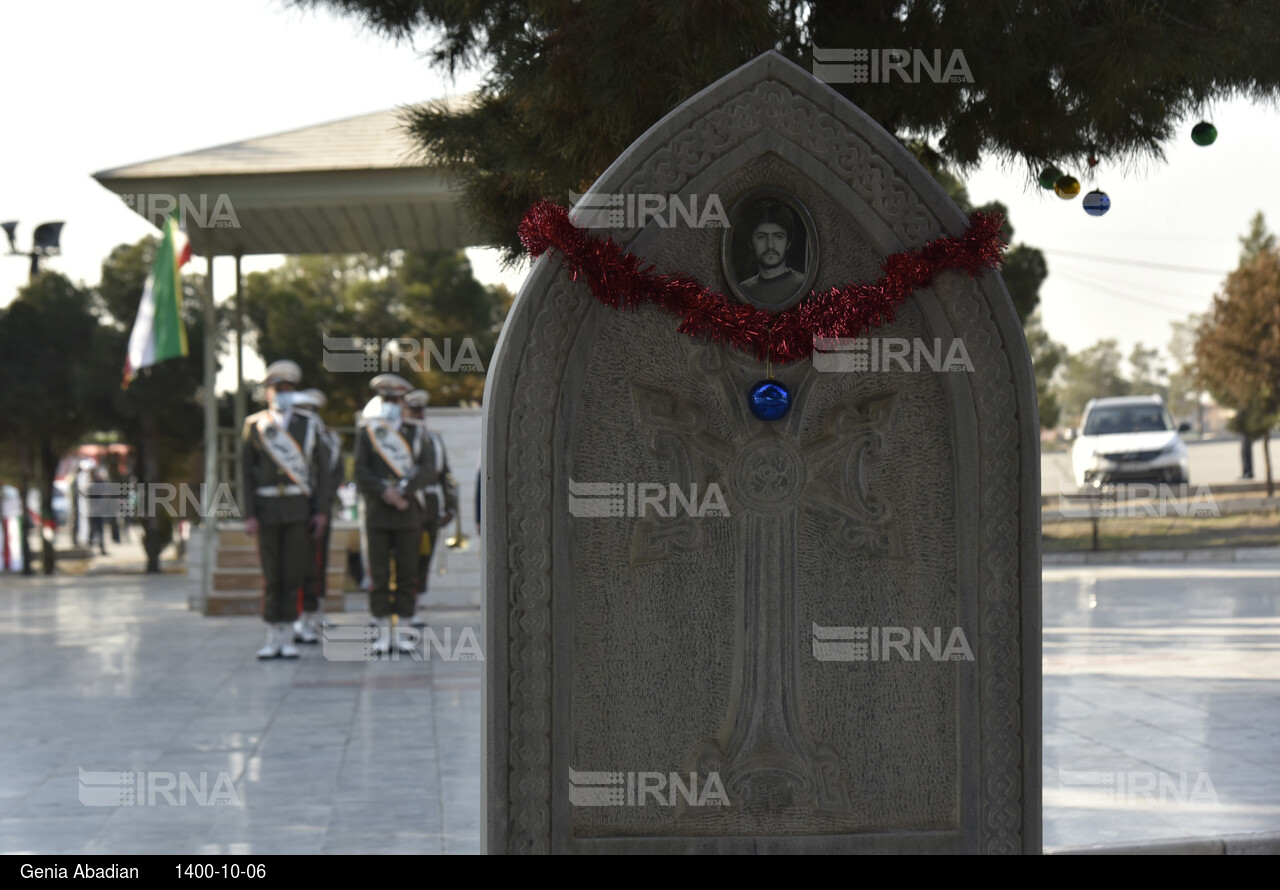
x=44, y=243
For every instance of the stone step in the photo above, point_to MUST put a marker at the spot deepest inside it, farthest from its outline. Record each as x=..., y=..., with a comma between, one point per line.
x=246, y=557
x=222, y=604
x=238, y=579
x=235, y=538
x=249, y=602
x=251, y=579
x=456, y=579
x=236, y=557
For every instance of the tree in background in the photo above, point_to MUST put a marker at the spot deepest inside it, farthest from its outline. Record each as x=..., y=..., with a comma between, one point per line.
x=62, y=351
x=1095, y=372
x=411, y=298
x=48, y=390
x=1149, y=374
x=289, y=309
x=446, y=301
x=569, y=85
x=1238, y=348
x=1258, y=240
x=1184, y=387
x=1046, y=357
x=1024, y=268
x=1024, y=271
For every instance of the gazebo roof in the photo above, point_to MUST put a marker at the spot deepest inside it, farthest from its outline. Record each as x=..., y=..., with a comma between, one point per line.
x=354, y=185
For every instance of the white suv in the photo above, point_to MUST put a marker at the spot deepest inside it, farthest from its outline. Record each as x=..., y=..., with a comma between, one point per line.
x=1128, y=439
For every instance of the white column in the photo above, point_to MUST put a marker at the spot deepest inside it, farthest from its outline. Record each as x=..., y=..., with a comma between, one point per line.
x=208, y=523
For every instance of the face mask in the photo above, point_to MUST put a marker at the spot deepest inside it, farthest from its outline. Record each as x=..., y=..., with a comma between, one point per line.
x=284, y=401
x=391, y=412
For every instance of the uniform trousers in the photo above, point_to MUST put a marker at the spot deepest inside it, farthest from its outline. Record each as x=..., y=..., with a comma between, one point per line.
x=401, y=544
x=313, y=588
x=284, y=550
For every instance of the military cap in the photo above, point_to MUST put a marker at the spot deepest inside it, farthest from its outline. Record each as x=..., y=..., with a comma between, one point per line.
x=417, y=399
x=390, y=386
x=283, y=371
x=312, y=398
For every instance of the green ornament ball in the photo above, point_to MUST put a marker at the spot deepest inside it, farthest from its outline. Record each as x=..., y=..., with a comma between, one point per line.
x=1048, y=176
x=1067, y=187
x=1204, y=133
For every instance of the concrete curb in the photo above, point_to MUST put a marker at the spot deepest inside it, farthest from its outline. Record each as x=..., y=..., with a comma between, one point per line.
x=1260, y=844
x=1050, y=499
x=1139, y=510
x=1130, y=557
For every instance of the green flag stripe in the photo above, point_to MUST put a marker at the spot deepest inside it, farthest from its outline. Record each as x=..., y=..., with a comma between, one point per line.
x=170, y=335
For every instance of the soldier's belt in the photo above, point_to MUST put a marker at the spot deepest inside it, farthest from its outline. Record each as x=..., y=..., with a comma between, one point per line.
x=279, y=491
x=433, y=488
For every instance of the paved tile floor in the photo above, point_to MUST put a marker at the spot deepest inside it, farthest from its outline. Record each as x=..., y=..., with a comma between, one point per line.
x=1161, y=720
x=114, y=674
x=1161, y=702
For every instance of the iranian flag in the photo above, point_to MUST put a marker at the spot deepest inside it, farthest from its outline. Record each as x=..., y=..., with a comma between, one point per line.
x=158, y=332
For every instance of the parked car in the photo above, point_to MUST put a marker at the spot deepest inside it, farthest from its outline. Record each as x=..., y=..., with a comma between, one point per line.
x=1128, y=439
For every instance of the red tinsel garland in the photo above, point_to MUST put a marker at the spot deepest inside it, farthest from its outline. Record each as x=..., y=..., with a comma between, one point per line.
x=617, y=280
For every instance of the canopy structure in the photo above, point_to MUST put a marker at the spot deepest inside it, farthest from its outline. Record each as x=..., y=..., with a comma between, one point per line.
x=359, y=185
x=350, y=186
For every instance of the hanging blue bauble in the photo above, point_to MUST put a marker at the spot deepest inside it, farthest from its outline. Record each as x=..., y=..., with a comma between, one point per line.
x=769, y=400
x=1096, y=203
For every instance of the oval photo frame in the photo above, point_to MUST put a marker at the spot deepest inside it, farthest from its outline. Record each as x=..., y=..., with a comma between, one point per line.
x=755, y=270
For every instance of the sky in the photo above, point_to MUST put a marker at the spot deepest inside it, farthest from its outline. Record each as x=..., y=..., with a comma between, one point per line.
x=1173, y=227
x=95, y=85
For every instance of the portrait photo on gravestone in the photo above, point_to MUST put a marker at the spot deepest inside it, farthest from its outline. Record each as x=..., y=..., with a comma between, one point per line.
x=770, y=249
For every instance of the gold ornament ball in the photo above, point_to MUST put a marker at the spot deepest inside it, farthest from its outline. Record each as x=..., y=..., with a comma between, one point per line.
x=1067, y=187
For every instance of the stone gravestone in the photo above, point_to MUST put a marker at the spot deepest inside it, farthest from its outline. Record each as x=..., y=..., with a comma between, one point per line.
x=712, y=633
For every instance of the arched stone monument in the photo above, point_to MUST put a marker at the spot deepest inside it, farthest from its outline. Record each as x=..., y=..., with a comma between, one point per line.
x=707, y=632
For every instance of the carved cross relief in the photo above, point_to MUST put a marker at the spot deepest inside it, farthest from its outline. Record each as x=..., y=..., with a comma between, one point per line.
x=764, y=754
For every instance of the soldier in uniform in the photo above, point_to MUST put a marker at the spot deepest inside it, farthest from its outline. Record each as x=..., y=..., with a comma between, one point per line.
x=389, y=476
x=286, y=458
x=307, y=628
x=439, y=497
x=79, y=503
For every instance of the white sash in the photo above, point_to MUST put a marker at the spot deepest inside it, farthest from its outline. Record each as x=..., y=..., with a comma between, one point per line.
x=437, y=447
x=392, y=447
x=284, y=451
x=335, y=449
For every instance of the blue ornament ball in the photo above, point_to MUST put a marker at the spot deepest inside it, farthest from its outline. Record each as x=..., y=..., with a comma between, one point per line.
x=1096, y=203
x=769, y=400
